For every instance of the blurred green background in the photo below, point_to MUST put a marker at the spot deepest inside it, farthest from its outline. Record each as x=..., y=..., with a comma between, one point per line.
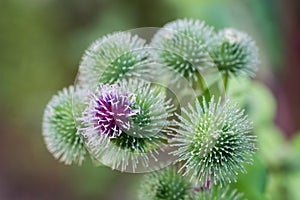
x=41, y=44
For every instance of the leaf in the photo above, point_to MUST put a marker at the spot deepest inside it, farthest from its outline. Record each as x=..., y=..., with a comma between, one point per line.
x=272, y=146
x=255, y=98
x=253, y=183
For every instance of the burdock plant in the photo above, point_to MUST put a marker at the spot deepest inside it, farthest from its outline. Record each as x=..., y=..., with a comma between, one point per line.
x=121, y=120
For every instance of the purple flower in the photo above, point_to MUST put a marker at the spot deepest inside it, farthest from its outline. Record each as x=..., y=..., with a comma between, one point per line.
x=111, y=113
x=108, y=112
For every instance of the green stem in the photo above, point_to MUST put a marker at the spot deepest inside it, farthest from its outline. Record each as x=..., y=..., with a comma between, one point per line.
x=225, y=79
x=199, y=85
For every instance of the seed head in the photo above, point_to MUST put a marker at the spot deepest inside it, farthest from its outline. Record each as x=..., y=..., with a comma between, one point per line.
x=182, y=46
x=60, y=131
x=113, y=58
x=165, y=184
x=234, y=52
x=214, y=141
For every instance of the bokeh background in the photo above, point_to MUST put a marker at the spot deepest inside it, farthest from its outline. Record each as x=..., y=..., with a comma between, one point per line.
x=41, y=44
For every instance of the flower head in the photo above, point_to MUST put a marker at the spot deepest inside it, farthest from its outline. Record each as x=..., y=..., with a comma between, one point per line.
x=234, y=52
x=113, y=58
x=60, y=131
x=165, y=184
x=126, y=122
x=182, y=46
x=111, y=111
x=214, y=141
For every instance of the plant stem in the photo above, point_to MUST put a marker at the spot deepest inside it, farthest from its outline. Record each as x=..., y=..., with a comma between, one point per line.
x=225, y=79
x=200, y=85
